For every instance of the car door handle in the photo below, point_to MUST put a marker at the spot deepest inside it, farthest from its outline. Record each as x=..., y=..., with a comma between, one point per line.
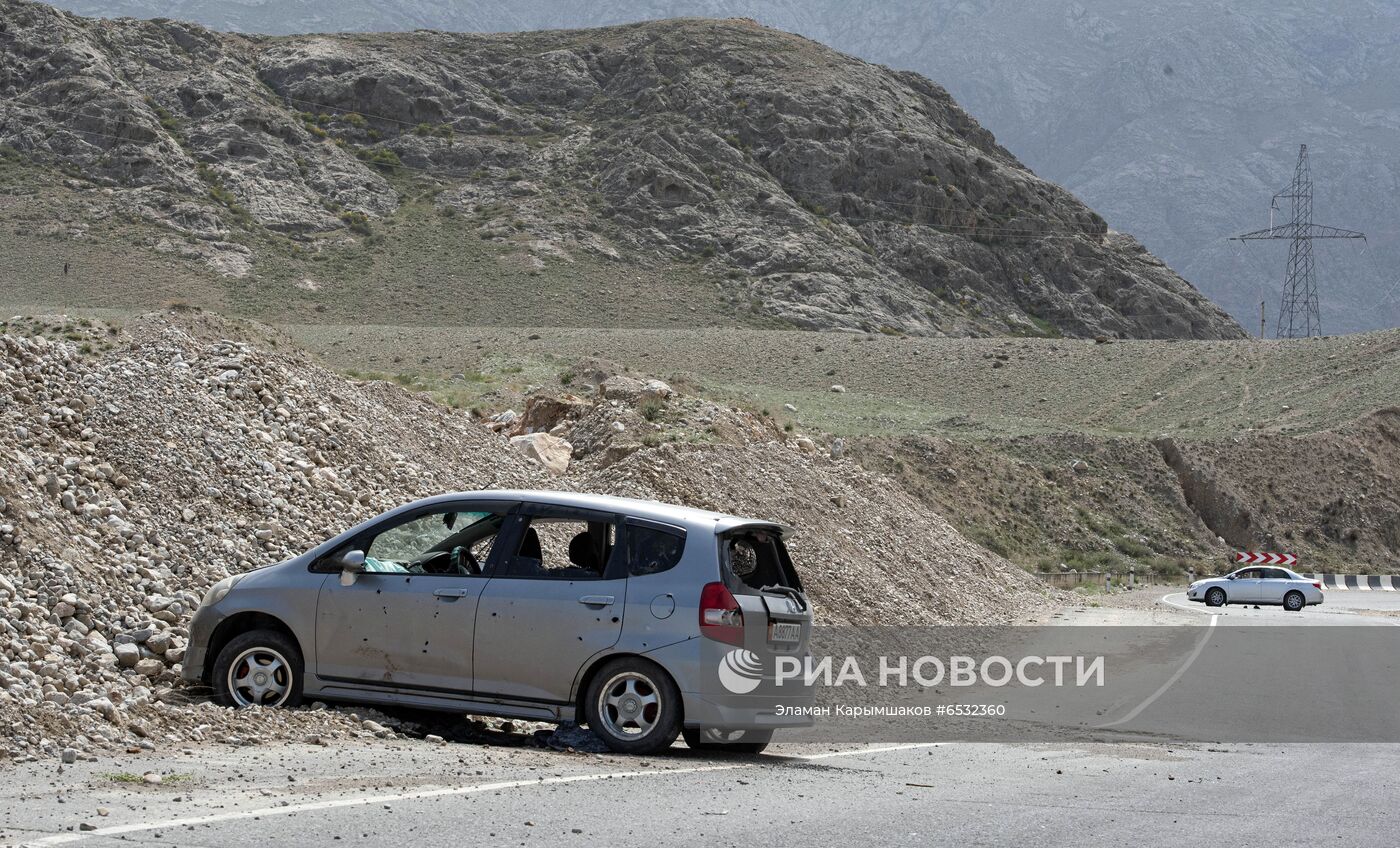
x=450, y=593
x=596, y=600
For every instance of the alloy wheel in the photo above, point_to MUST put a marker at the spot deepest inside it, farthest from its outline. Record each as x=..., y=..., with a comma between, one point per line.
x=629, y=705
x=259, y=676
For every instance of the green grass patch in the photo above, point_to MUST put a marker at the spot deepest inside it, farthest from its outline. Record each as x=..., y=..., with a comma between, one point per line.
x=380, y=157
x=130, y=778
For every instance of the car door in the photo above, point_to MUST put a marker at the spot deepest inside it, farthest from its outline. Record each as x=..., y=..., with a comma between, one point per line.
x=407, y=622
x=1245, y=587
x=1273, y=583
x=555, y=601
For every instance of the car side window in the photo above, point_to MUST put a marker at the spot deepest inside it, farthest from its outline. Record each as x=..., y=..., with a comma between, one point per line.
x=560, y=548
x=443, y=542
x=652, y=550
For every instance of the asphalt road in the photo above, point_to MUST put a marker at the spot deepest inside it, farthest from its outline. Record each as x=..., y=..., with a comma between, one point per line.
x=372, y=792
x=950, y=794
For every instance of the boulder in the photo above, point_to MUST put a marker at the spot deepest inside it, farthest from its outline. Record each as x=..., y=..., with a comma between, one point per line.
x=152, y=668
x=618, y=387
x=128, y=654
x=159, y=642
x=655, y=390
x=551, y=452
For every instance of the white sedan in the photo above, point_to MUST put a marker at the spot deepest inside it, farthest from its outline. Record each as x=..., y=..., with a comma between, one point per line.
x=1258, y=585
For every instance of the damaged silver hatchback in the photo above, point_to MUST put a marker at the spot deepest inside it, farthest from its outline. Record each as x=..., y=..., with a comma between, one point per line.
x=545, y=606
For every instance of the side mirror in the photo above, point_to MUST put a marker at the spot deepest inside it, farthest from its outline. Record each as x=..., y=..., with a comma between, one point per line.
x=1231, y=577
x=352, y=564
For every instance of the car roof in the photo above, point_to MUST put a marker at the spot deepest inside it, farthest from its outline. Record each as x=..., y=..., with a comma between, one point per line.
x=1296, y=575
x=654, y=510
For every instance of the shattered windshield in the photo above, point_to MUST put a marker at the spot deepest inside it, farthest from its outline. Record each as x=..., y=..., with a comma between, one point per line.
x=396, y=549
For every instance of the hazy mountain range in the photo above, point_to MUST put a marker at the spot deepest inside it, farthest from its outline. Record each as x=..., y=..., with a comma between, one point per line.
x=1176, y=119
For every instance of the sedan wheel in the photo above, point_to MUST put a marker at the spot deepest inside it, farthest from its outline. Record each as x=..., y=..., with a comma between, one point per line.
x=1215, y=597
x=1293, y=601
x=262, y=668
x=633, y=706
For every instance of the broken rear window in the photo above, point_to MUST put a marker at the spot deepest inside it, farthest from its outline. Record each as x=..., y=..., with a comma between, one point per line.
x=758, y=560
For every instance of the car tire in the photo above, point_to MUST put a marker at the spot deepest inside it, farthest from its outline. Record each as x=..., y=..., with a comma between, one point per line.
x=1294, y=601
x=1215, y=597
x=735, y=742
x=633, y=705
x=260, y=667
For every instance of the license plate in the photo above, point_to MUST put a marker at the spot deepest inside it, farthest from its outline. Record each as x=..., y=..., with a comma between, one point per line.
x=784, y=631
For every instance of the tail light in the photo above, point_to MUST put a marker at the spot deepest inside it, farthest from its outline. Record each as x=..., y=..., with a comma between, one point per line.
x=1317, y=584
x=721, y=618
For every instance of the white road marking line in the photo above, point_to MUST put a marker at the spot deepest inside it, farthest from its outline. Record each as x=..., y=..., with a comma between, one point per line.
x=1200, y=646
x=1187, y=606
x=857, y=751
x=475, y=789
x=311, y=806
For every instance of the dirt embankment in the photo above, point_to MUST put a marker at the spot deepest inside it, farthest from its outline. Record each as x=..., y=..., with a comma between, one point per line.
x=137, y=467
x=1165, y=504
x=1329, y=497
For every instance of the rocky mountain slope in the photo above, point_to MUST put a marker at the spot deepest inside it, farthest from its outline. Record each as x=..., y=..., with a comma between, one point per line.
x=770, y=176
x=1176, y=120
x=139, y=466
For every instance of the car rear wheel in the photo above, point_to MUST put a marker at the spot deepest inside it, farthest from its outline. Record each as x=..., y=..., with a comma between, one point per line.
x=259, y=668
x=1294, y=601
x=633, y=706
x=1215, y=597
x=727, y=741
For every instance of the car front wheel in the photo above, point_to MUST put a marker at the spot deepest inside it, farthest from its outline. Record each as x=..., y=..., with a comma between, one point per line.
x=259, y=668
x=633, y=706
x=1215, y=597
x=727, y=741
x=1293, y=601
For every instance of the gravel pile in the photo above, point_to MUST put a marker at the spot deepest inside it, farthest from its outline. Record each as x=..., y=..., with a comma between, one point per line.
x=868, y=552
x=133, y=479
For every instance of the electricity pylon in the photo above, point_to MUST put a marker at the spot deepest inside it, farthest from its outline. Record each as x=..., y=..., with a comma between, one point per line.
x=1299, y=316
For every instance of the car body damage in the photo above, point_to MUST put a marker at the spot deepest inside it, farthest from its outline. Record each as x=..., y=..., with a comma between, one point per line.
x=537, y=605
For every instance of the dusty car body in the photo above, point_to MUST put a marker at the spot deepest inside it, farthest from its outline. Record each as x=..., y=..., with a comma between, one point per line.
x=1263, y=585
x=548, y=606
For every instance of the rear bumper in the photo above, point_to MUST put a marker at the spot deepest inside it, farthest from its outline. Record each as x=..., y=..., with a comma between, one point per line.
x=733, y=712
x=763, y=705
